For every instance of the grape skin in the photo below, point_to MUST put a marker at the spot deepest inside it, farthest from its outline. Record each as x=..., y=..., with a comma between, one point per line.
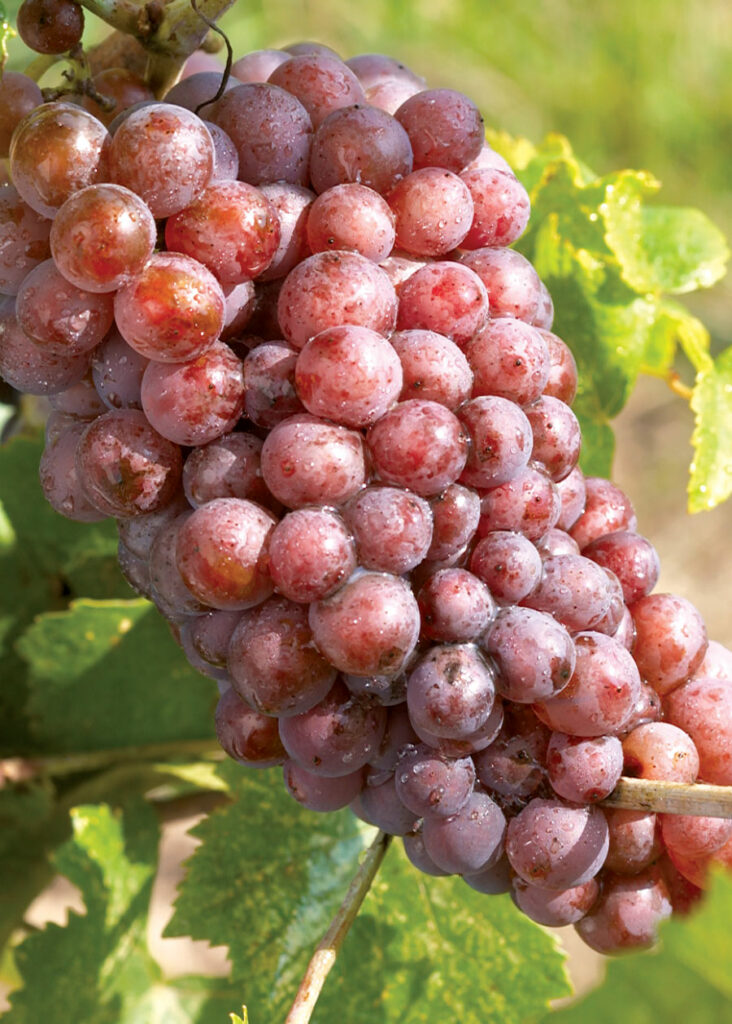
x=336, y=737
x=601, y=694
x=310, y=554
x=272, y=662
x=555, y=845
x=360, y=144
x=368, y=627
x=310, y=461
x=222, y=553
x=391, y=527
x=348, y=374
x=165, y=155
x=468, y=841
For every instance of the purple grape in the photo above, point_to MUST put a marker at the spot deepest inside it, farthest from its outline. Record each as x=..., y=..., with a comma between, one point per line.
x=337, y=736
x=468, y=841
x=555, y=845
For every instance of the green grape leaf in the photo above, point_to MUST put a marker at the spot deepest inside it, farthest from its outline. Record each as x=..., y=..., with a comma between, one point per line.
x=679, y=250
x=710, y=480
x=28, y=831
x=421, y=949
x=265, y=882
x=236, y=1019
x=436, y=949
x=686, y=979
x=97, y=969
x=108, y=674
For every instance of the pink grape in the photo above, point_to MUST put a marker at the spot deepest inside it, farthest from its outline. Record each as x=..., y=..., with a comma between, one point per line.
x=125, y=466
x=502, y=207
x=433, y=368
x=475, y=741
x=19, y=94
x=331, y=289
x=391, y=527
x=468, y=841
x=601, y=694
x=165, y=154
x=320, y=82
x=562, y=381
x=102, y=236
x=455, y=515
x=271, y=130
x=443, y=297
x=227, y=467
x=584, y=770
x=311, y=554
x=250, y=738
x=292, y=204
x=273, y=663
x=451, y=691
x=509, y=359
x=57, y=149
x=167, y=587
x=230, y=227
x=429, y=783
x=172, y=311
x=500, y=441
x=513, y=286
x=321, y=792
x=348, y=374
x=534, y=655
x=607, y=509
x=631, y=557
x=659, y=750
x=574, y=590
x=351, y=217
x=634, y=840
x=269, y=384
x=529, y=503
x=555, y=845
x=258, y=65
x=670, y=640
x=508, y=563
x=24, y=239
x=360, y=144
x=419, y=445
x=336, y=737
x=418, y=203
x=195, y=402
x=555, y=909
x=514, y=764
x=60, y=317
x=60, y=481
x=117, y=370
x=627, y=914
x=222, y=553
x=444, y=127
x=310, y=461
x=455, y=606
x=368, y=627
x=557, y=436
x=703, y=709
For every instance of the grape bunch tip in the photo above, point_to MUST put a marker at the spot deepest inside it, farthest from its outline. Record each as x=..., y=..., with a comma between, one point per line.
x=288, y=347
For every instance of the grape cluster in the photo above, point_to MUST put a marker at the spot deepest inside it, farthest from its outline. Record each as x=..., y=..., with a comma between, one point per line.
x=289, y=349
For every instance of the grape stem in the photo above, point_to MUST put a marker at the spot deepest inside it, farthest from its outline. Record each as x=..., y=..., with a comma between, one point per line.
x=698, y=798
x=169, y=31
x=325, y=954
